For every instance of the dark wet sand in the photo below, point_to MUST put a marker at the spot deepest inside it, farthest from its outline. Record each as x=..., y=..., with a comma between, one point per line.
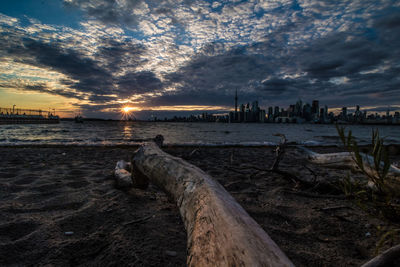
x=46, y=192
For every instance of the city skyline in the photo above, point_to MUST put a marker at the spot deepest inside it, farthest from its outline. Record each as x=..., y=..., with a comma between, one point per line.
x=163, y=58
x=187, y=112
x=300, y=112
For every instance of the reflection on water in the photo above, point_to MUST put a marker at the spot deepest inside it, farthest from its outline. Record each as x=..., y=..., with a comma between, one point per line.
x=111, y=133
x=127, y=132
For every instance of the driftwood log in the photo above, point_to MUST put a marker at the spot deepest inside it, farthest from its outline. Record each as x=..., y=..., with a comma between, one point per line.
x=345, y=159
x=219, y=230
x=390, y=257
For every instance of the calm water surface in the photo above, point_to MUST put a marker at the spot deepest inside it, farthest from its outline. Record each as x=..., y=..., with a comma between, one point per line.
x=116, y=133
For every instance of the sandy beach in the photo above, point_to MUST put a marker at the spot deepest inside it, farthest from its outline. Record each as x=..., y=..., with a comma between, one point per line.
x=60, y=207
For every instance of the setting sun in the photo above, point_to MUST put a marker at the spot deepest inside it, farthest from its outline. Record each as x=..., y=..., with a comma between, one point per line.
x=127, y=109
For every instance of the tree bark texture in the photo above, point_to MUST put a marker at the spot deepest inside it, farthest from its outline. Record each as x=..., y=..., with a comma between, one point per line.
x=390, y=257
x=345, y=159
x=219, y=230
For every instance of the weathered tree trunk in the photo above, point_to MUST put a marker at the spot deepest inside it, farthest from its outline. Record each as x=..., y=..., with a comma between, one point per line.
x=345, y=159
x=219, y=230
x=390, y=257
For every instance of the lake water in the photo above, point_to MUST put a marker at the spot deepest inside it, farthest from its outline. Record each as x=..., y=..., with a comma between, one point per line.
x=117, y=133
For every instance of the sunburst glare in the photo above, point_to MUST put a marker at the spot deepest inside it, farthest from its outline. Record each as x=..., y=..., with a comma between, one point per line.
x=127, y=113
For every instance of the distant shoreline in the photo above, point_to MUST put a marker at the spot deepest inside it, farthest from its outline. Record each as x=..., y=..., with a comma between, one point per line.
x=185, y=146
x=162, y=121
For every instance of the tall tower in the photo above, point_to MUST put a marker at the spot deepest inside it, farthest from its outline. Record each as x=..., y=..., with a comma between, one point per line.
x=236, y=106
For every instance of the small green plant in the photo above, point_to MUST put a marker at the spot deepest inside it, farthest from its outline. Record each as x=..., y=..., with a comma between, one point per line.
x=351, y=187
x=376, y=171
x=388, y=237
x=375, y=166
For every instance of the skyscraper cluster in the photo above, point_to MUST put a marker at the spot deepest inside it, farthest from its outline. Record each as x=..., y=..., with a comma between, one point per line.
x=304, y=112
x=295, y=113
x=300, y=112
x=247, y=112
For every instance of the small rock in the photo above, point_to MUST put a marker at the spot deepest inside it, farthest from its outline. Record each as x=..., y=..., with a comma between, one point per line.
x=367, y=234
x=171, y=253
x=64, y=154
x=69, y=233
x=367, y=225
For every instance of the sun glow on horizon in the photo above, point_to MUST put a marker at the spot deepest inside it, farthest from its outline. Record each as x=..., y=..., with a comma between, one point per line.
x=127, y=112
x=128, y=109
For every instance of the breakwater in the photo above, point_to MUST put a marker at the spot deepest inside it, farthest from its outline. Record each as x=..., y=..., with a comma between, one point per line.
x=26, y=116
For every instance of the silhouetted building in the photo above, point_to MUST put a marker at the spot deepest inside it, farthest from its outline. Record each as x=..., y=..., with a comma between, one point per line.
x=232, y=116
x=241, y=113
x=261, y=117
x=315, y=110
x=344, y=112
x=276, y=112
x=307, y=114
x=315, y=106
x=291, y=110
x=298, y=109
x=297, y=113
x=236, y=107
x=270, y=113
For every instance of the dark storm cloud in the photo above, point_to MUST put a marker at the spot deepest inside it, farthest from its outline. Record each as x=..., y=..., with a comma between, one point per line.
x=43, y=88
x=210, y=81
x=221, y=73
x=210, y=97
x=341, y=64
x=211, y=78
x=138, y=82
x=349, y=63
x=389, y=22
x=89, y=76
x=94, y=76
x=340, y=52
x=334, y=56
x=325, y=69
x=275, y=85
x=388, y=30
x=119, y=54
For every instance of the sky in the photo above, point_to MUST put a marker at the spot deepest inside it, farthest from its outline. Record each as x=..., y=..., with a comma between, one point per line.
x=179, y=57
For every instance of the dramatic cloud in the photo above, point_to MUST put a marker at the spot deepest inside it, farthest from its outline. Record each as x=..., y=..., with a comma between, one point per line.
x=138, y=82
x=107, y=73
x=153, y=54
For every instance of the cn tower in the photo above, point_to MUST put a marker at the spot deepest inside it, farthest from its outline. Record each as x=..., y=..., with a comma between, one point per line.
x=236, y=106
